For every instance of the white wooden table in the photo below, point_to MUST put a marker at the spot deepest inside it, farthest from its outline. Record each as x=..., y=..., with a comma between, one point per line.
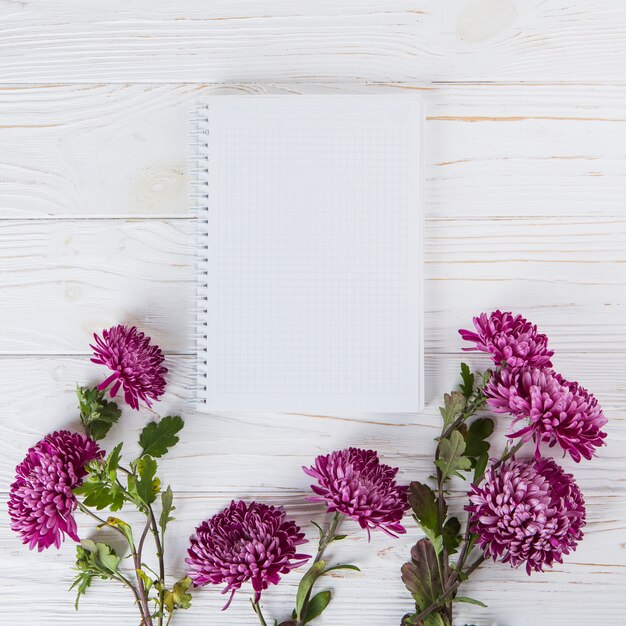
x=525, y=198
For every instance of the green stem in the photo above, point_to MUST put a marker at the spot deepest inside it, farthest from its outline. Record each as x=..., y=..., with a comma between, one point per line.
x=443, y=561
x=442, y=600
x=257, y=609
x=143, y=596
x=139, y=591
x=465, y=552
x=159, y=543
x=130, y=585
x=101, y=522
x=325, y=540
x=508, y=454
x=328, y=537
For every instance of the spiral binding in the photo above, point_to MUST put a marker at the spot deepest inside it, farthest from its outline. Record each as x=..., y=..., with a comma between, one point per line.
x=199, y=201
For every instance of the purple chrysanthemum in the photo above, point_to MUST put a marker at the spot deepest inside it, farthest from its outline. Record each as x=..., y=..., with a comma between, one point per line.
x=245, y=542
x=41, y=502
x=355, y=483
x=509, y=339
x=558, y=412
x=137, y=365
x=528, y=512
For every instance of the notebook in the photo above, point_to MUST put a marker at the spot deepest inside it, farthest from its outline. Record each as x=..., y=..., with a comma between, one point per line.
x=310, y=242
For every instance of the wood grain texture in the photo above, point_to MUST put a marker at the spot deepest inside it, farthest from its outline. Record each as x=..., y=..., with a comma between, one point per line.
x=266, y=466
x=278, y=40
x=90, y=274
x=490, y=150
x=281, y=443
x=589, y=585
x=525, y=180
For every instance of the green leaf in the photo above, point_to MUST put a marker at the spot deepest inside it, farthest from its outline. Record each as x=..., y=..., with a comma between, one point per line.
x=316, y=606
x=147, y=581
x=147, y=485
x=475, y=440
x=319, y=528
x=451, y=460
x=451, y=536
x=487, y=374
x=480, y=467
x=96, y=414
x=421, y=574
x=158, y=437
x=434, y=619
x=435, y=539
x=467, y=387
x=454, y=403
x=97, y=559
x=87, y=545
x=112, y=462
x=107, y=557
x=424, y=504
x=101, y=494
x=123, y=526
x=178, y=598
x=467, y=600
x=167, y=507
x=101, y=489
x=335, y=567
x=81, y=583
x=306, y=585
x=339, y=537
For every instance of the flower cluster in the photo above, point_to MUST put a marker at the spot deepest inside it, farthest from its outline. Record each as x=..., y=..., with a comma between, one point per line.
x=527, y=512
x=245, y=542
x=355, y=483
x=553, y=410
x=255, y=542
x=510, y=340
x=136, y=363
x=531, y=512
x=41, y=502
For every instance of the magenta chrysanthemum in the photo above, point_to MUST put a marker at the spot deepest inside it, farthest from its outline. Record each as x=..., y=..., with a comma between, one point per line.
x=558, y=412
x=137, y=365
x=41, y=502
x=245, y=542
x=509, y=339
x=528, y=512
x=355, y=483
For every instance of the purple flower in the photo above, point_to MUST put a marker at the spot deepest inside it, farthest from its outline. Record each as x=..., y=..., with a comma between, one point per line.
x=41, y=502
x=509, y=339
x=136, y=364
x=527, y=512
x=558, y=412
x=245, y=542
x=355, y=483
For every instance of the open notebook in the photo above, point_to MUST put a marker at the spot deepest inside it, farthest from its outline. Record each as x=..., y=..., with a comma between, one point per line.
x=310, y=241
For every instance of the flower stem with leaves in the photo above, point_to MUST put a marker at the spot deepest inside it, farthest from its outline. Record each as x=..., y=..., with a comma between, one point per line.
x=111, y=486
x=309, y=606
x=430, y=576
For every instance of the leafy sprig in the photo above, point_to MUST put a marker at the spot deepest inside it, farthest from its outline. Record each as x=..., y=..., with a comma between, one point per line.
x=110, y=485
x=462, y=446
x=97, y=415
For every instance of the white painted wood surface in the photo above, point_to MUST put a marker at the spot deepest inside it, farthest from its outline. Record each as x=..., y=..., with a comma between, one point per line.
x=525, y=209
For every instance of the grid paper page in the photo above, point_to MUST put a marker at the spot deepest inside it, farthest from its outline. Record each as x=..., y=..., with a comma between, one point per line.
x=313, y=255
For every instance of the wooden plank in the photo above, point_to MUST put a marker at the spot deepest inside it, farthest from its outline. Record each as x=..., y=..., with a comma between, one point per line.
x=355, y=40
x=64, y=279
x=512, y=596
x=38, y=395
x=490, y=150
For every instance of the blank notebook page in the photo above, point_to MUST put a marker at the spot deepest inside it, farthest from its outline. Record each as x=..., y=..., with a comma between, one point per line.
x=311, y=253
